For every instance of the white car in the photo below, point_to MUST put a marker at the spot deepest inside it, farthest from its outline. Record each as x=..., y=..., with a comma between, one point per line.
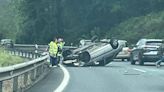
x=125, y=52
x=97, y=53
x=5, y=41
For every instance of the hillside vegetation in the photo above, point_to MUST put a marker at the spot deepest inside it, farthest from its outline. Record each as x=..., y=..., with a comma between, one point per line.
x=149, y=26
x=38, y=21
x=7, y=59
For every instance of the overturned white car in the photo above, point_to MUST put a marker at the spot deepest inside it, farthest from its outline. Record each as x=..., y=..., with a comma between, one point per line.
x=95, y=53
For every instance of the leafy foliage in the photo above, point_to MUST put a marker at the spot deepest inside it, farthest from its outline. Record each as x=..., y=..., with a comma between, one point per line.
x=8, y=26
x=38, y=21
x=149, y=26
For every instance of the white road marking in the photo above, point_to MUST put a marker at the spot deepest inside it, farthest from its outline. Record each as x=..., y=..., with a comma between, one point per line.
x=65, y=81
x=139, y=70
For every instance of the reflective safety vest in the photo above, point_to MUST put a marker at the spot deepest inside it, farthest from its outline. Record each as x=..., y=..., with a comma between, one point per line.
x=53, y=49
x=60, y=46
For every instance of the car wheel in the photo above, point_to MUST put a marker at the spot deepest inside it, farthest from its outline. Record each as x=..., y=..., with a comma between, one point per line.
x=123, y=59
x=114, y=43
x=66, y=53
x=132, y=61
x=141, y=62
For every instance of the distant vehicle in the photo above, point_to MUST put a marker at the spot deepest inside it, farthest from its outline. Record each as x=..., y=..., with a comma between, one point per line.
x=7, y=42
x=85, y=42
x=95, y=53
x=125, y=52
x=145, y=51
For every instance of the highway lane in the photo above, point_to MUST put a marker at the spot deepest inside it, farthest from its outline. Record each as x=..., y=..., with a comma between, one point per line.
x=115, y=77
x=50, y=82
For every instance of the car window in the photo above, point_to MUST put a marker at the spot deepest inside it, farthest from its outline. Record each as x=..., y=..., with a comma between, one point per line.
x=139, y=43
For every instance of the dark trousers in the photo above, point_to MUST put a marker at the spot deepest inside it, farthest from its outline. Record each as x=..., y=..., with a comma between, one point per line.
x=160, y=60
x=58, y=58
x=53, y=61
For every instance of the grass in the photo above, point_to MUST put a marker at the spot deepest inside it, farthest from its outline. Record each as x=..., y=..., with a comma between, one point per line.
x=7, y=59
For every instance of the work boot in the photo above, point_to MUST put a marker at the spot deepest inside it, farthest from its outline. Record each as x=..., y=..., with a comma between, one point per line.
x=157, y=65
x=54, y=66
x=50, y=65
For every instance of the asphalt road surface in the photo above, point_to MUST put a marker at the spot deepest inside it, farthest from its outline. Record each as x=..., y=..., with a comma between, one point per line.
x=115, y=77
x=50, y=82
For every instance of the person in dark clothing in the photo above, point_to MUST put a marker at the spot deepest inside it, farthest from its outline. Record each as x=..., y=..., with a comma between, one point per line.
x=11, y=44
x=160, y=54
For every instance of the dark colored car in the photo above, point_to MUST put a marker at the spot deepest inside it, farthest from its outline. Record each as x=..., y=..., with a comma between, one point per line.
x=145, y=51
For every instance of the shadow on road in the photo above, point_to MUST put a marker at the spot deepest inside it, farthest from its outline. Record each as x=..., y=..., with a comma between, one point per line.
x=107, y=66
x=149, y=64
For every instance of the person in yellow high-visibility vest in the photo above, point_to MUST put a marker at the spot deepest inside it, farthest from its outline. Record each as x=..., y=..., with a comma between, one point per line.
x=53, y=50
x=60, y=50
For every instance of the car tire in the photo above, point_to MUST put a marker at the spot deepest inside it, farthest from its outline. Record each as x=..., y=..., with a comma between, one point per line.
x=140, y=60
x=114, y=43
x=132, y=61
x=66, y=53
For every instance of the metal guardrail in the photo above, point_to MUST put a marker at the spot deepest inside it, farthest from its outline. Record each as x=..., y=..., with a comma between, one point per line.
x=39, y=47
x=19, y=77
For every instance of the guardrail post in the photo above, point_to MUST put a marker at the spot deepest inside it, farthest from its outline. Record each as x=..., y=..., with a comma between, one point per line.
x=37, y=72
x=33, y=55
x=1, y=86
x=33, y=75
x=22, y=53
x=14, y=52
x=15, y=84
x=36, y=55
x=19, y=54
x=42, y=68
x=10, y=52
x=28, y=55
x=25, y=79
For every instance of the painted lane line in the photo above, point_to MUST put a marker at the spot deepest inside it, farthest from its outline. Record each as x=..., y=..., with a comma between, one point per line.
x=139, y=70
x=65, y=81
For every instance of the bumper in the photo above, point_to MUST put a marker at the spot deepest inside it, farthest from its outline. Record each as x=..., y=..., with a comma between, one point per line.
x=150, y=58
